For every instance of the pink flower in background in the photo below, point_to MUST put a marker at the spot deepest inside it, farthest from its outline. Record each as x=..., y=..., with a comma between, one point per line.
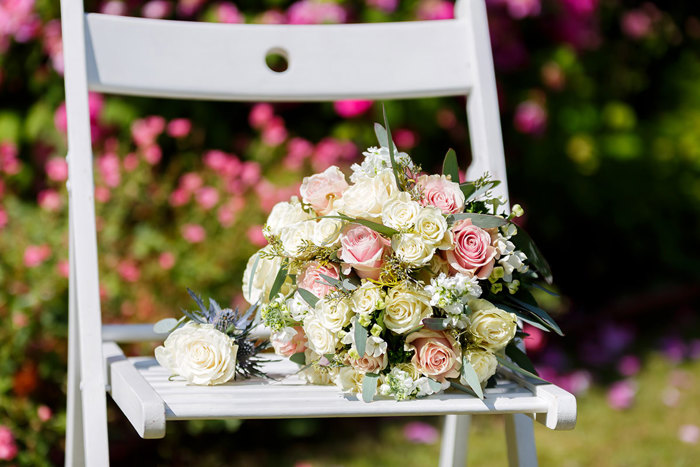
x=8, y=158
x=166, y=260
x=519, y=9
x=530, y=118
x=255, y=235
x=298, y=150
x=536, y=339
x=435, y=10
x=3, y=218
x=191, y=182
x=128, y=270
x=53, y=44
x=179, y=128
x=34, y=255
x=351, y=108
x=193, y=233
x=260, y=115
x=156, y=9
x=152, y=154
x=102, y=194
x=689, y=434
x=629, y=365
x=44, y=413
x=446, y=119
x=272, y=17
x=621, y=394
x=674, y=349
x=188, y=8
x=581, y=7
x=316, y=12
x=49, y=200
x=405, y=139
x=207, y=197
x=636, y=24
x=145, y=131
x=227, y=213
x=131, y=162
x=250, y=173
x=108, y=167
x=387, y=6
x=95, y=105
x=226, y=12
x=694, y=347
x=8, y=446
x=421, y=433
x=332, y=151
x=57, y=169
x=63, y=268
x=113, y=7
x=179, y=197
x=274, y=132
x=60, y=118
x=215, y=159
x=19, y=21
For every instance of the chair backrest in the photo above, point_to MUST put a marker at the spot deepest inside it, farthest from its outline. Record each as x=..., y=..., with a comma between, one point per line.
x=227, y=62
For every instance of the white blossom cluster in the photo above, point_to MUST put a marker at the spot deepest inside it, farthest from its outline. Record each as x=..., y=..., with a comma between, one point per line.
x=374, y=347
x=510, y=259
x=377, y=160
x=401, y=385
x=451, y=293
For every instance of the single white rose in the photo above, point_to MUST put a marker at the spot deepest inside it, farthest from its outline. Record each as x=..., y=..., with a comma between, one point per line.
x=432, y=227
x=406, y=306
x=321, y=340
x=368, y=298
x=327, y=232
x=334, y=313
x=286, y=213
x=491, y=327
x=262, y=277
x=199, y=353
x=349, y=380
x=296, y=237
x=483, y=361
x=400, y=212
x=412, y=249
x=366, y=198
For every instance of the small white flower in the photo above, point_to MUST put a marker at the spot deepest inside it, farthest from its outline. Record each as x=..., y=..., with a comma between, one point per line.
x=376, y=160
x=513, y=262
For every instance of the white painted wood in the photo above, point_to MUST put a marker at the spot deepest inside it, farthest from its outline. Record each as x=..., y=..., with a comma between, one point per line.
x=455, y=441
x=141, y=405
x=144, y=333
x=520, y=439
x=83, y=240
x=326, y=62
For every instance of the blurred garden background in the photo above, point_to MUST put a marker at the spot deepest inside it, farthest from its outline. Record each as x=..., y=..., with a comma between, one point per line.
x=600, y=105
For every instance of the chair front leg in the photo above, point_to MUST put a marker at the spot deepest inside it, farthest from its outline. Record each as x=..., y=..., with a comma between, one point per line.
x=520, y=437
x=455, y=441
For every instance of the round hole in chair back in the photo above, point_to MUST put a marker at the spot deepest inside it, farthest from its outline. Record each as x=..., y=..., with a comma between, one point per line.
x=277, y=59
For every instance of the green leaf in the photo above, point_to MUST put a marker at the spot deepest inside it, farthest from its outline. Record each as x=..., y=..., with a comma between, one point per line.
x=524, y=242
x=369, y=386
x=468, y=188
x=520, y=358
x=450, y=166
x=436, y=324
x=543, y=289
x=513, y=367
x=485, y=221
x=252, y=274
x=489, y=185
x=539, y=312
x=345, y=284
x=394, y=167
x=279, y=282
x=299, y=358
x=379, y=228
x=360, y=339
x=528, y=318
x=165, y=326
x=469, y=375
x=308, y=297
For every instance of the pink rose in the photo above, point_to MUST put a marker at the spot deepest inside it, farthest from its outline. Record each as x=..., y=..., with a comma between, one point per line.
x=289, y=341
x=320, y=190
x=442, y=193
x=473, y=253
x=437, y=354
x=369, y=364
x=363, y=249
x=311, y=280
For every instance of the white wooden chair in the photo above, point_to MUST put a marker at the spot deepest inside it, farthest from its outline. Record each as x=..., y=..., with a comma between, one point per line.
x=215, y=61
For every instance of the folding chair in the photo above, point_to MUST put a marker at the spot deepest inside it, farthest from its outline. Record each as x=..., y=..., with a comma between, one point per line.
x=189, y=60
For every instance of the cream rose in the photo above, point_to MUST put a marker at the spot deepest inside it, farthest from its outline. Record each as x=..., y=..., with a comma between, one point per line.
x=491, y=327
x=349, y=380
x=406, y=306
x=327, y=233
x=366, y=198
x=432, y=227
x=400, y=212
x=334, y=314
x=296, y=237
x=367, y=298
x=412, y=249
x=437, y=353
x=442, y=193
x=288, y=341
x=322, y=190
x=286, y=213
x=316, y=374
x=321, y=340
x=483, y=361
x=199, y=353
x=263, y=277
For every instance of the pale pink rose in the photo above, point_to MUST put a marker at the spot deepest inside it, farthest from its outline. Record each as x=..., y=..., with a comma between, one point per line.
x=369, y=364
x=351, y=108
x=310, y=278
x=321, y=190
x=437, y=353
x=363, y=249
x=194, y=233
x=287, y=345
x=473, y=253
x=442, y=193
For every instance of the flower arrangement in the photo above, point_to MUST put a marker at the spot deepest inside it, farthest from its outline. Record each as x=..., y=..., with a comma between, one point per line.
x=398, y=283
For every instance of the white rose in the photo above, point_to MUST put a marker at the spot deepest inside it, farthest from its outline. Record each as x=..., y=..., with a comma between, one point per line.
x=262, y=277
x=483, y=361
x=412, y=249
x=349, y=380
x=366, y=198
x=327, y=232
x=296, y=237
x=298, y=308
x=333, y=313
x=406, y=306
x=321, y=340
x=432, y=227
x=367, y=298
x=316, y=374
x=436, y=266
x=491, y=327
x=199, y=353
x=286, y=213
x=400, y=212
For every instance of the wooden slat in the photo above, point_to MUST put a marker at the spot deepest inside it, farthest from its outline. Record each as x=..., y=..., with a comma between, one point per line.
x=227, y=61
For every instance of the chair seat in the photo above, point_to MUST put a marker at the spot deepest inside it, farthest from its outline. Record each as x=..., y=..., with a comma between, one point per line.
x=149, y=397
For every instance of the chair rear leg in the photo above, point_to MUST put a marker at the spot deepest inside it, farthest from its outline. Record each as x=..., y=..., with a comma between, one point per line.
x=455, y=440
x=520, y=437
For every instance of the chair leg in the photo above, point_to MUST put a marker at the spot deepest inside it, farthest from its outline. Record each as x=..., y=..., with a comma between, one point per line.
x=520, y=437
x=455, y=439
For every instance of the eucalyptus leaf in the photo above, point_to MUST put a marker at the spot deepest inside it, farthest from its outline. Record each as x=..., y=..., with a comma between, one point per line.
x=308, y=297
x=436, y=324
x=369, y=386
x=513, y=367
x=450, y=166
x=379, y=228
x=469, y=375
x=539, y=312
x=485, y=221
x=382, y=137
x=463, y=388
x=165, y=326
x=524, y=242
x=299, y=358
x=520, y=358
x=435, y=386
x=392, y=149
x=252, y=275
x=468, y=188
x=360, y=339
x=279, y=282
x=481, y=191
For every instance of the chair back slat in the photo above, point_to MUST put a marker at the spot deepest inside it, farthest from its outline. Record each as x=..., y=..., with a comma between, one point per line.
x=326, y=62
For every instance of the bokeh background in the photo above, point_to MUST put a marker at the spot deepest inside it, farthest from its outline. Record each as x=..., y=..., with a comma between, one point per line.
x=600, y=105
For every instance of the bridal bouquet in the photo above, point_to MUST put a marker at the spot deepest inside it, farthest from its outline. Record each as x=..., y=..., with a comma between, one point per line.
x=397, y=283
